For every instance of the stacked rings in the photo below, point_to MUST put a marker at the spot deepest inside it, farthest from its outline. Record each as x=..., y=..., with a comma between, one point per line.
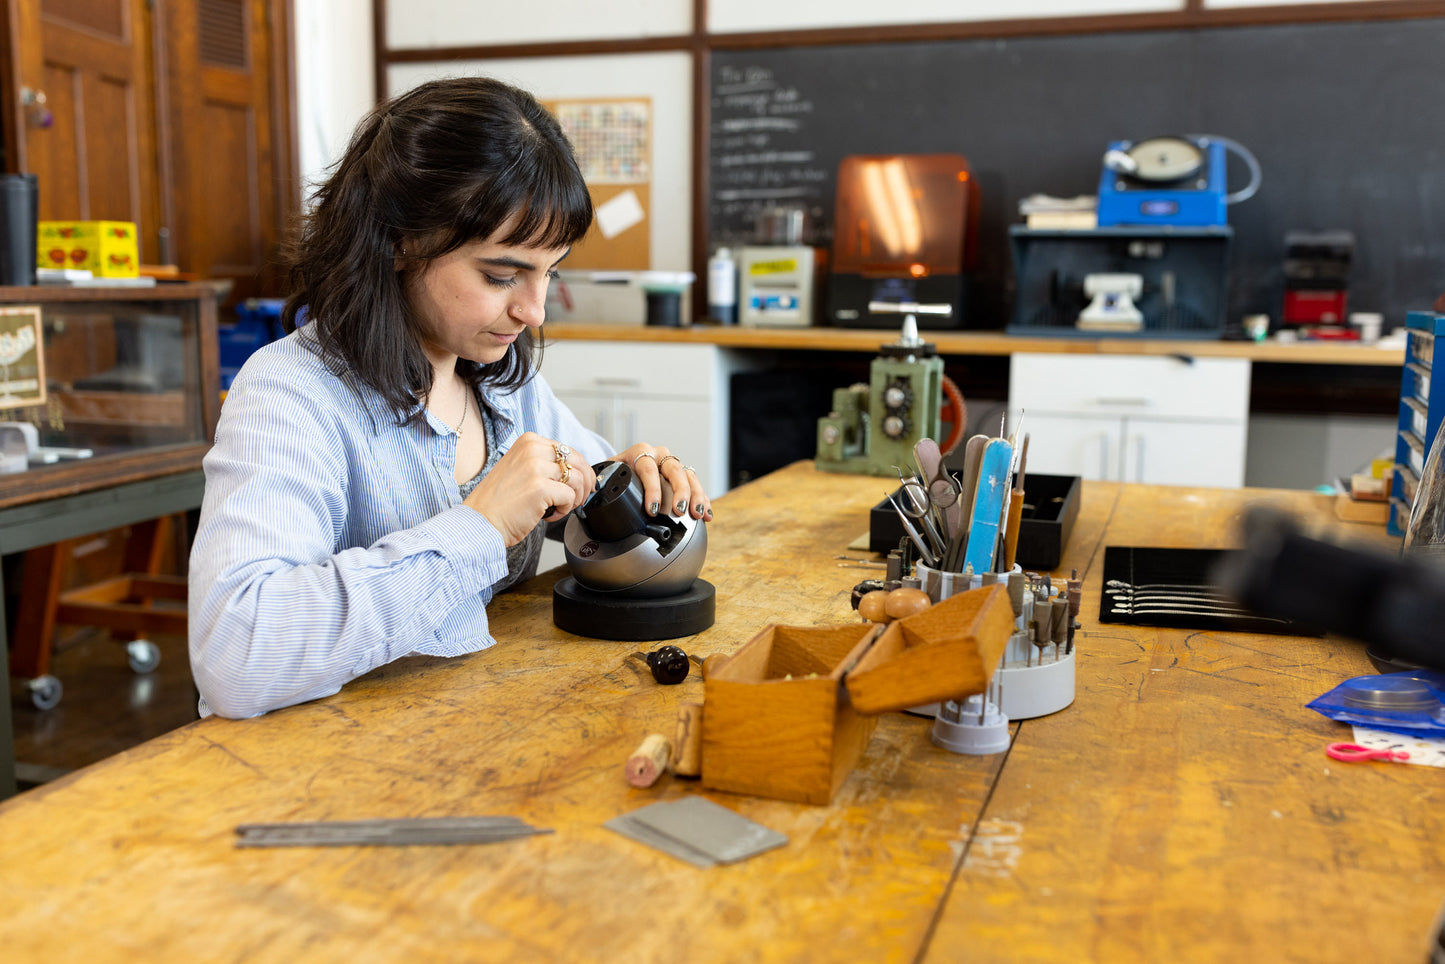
x=665, y=458
x=560, y=453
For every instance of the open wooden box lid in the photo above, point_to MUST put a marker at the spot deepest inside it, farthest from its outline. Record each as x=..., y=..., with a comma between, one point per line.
x=946, y=652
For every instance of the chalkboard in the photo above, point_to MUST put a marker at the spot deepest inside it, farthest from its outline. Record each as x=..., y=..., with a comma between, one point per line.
x=1347, y=121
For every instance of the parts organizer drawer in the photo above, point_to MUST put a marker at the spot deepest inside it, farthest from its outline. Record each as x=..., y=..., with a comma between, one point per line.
x=1420, y=414
x=1161, y=420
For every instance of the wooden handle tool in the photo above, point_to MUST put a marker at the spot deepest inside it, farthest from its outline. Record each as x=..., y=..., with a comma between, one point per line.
x=688, y=761
x=1011, y=530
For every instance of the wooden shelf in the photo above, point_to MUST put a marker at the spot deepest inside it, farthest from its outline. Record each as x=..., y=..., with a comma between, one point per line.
x=977, y=343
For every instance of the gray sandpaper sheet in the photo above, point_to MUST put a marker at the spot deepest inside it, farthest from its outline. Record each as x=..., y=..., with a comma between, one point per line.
x=628, y=826
x=697, y=830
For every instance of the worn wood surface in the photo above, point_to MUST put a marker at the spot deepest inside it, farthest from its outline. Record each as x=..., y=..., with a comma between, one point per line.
x=1182, y=808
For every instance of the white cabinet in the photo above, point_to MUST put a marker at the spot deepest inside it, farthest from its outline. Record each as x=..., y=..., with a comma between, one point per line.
x=671, y=395
x=1167, y=420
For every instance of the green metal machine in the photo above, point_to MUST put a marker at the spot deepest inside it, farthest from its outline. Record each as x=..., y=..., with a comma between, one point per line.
x=873, y=428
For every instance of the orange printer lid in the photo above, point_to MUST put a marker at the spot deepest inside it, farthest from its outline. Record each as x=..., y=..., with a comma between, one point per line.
x=904, y=214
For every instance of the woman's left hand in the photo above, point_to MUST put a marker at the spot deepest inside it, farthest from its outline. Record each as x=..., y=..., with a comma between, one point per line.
x=651, y=464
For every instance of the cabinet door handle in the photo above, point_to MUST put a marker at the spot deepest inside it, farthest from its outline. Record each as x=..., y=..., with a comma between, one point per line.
x=1139, y=458
x=1104, y=472
x=630, y=430
x=618, y=382
x=1123, y=402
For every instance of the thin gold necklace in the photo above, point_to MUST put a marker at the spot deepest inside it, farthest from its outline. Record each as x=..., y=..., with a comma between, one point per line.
x=466, y=406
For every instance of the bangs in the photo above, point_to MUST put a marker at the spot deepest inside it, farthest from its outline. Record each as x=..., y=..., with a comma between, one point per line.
x=552, y=208
x=553, y=222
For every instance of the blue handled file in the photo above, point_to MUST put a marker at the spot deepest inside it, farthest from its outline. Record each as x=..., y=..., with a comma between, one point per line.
x=988, y=503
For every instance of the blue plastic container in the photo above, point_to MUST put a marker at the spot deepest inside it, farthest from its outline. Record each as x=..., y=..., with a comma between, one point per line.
x=258, y=323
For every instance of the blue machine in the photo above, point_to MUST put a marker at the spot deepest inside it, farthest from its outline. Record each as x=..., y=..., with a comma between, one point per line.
x=1170, y=182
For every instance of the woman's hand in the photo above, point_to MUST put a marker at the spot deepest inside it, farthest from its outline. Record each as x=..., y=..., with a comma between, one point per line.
x=536, y=478
x=651, y=464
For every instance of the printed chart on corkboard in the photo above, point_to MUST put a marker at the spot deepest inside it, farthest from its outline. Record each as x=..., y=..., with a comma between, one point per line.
x=613, y=141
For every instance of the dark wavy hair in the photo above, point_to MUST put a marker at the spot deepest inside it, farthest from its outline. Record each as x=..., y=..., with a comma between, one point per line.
x=445, y=164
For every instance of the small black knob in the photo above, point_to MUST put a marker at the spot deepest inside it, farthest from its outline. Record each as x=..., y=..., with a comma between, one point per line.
x=669, y=664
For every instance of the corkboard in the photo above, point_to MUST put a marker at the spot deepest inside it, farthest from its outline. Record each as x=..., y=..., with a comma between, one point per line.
x=613, y=141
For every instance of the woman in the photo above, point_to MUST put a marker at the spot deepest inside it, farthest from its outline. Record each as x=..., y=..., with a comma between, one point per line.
x=383, y=471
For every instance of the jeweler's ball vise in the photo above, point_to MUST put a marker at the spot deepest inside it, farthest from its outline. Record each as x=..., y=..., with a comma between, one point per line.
x=634, y=575
x=873, y=428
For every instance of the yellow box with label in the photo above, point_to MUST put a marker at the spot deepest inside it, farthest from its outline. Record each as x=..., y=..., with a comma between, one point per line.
x=107, y=249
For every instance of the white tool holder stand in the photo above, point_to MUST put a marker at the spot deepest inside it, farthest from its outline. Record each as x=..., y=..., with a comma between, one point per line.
x=1030, y=681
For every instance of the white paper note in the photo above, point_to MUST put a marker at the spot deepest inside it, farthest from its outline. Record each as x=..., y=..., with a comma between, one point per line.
x=619, y=214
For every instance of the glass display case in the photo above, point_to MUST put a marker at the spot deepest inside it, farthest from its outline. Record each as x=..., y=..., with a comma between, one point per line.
x=125, y=385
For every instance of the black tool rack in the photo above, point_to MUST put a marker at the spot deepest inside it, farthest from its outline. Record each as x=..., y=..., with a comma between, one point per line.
x=1419, y=414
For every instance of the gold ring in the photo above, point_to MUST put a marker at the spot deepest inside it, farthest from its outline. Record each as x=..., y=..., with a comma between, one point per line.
x=666, y=458
x=644, y=455
x=562, y=452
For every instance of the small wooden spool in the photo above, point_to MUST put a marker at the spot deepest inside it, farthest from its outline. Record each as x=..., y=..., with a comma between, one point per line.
x=648, y=761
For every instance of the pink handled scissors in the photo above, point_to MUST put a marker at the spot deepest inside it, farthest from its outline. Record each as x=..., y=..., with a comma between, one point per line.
x=1354, y=753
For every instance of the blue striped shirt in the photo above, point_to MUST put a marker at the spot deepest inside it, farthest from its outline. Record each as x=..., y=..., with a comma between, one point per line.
x=333, y=541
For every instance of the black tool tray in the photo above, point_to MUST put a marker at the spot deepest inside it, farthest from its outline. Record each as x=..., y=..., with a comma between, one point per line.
x=1177, y=574
x=1051, y=503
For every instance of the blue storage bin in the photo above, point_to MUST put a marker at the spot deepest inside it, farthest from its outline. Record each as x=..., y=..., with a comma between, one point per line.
x=258, y=322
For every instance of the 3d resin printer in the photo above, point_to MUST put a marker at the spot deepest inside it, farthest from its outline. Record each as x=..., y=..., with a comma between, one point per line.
x=903, y=238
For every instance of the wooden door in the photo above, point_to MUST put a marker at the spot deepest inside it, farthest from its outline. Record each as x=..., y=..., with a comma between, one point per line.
x=174, y=114
x=229, y=88
x=80, y=111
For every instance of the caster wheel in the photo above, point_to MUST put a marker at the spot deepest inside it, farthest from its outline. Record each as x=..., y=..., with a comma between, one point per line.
x=45, y=692
x=143, y=655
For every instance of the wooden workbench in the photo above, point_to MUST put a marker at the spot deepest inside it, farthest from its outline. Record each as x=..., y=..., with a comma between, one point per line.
x=1181, y=809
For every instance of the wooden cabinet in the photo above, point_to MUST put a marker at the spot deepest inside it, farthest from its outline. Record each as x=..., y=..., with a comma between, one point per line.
x=132, y=378
x=1168, y=420
x=672, y=395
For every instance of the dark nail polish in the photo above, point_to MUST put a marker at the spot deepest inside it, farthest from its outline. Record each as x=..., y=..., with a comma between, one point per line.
x=701, y=508
x=709, y=515
x=680, y=508
x=652, y=509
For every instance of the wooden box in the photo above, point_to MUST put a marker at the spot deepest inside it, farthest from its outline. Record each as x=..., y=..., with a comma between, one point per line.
x=946, y=652
x=775, y=721
x=782, y=718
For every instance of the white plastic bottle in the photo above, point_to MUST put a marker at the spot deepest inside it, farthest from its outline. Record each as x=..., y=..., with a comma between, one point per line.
x=722, y=288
